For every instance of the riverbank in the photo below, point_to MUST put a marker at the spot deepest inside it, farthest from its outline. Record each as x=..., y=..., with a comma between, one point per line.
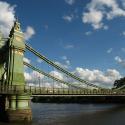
x=85, y=99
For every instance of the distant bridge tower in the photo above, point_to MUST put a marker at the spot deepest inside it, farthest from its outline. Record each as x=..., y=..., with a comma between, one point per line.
x=17, y=106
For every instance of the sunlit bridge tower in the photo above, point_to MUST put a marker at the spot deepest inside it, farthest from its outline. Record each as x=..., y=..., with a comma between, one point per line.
x=15, y=68
x=17, y=105
x=2, y=58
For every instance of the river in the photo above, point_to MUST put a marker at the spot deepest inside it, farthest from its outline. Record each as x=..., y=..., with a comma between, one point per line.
x=76, y=114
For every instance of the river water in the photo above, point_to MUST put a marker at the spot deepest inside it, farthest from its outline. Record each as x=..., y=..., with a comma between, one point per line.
x=77, y=114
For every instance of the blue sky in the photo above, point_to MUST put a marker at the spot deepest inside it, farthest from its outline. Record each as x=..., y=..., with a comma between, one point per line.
x=89, y=34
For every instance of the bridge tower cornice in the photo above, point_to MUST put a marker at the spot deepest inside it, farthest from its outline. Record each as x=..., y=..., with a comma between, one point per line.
x=17, y=37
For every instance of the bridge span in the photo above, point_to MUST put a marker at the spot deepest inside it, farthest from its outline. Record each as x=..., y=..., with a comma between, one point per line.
x=16, y=91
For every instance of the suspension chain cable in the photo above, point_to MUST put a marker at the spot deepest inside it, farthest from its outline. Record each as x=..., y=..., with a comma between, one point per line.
x=60, y=68
x=50, y=76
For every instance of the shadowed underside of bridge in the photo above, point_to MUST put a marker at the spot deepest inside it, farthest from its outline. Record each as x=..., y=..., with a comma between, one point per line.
x=16, y=91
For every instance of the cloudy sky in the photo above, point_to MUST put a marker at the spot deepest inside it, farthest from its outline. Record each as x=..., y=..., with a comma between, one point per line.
x=85, y=36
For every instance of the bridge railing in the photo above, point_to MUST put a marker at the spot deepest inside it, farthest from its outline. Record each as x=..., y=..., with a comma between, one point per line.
x=16, y=89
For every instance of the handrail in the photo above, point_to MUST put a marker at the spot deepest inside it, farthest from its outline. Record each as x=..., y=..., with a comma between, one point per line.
x=33, y=90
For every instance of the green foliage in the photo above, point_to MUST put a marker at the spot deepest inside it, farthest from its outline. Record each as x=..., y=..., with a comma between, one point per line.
x=119, y=83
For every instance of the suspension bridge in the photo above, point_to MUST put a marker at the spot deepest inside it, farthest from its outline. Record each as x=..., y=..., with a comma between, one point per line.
x=16, y=92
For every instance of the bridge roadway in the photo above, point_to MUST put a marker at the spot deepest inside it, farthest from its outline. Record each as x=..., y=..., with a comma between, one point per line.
x=43, y=91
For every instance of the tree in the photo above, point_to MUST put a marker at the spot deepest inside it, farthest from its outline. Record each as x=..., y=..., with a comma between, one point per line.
x=119, y=83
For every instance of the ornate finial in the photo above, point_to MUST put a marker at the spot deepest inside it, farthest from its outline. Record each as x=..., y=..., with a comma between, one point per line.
x=16, y=24
x=15, y=28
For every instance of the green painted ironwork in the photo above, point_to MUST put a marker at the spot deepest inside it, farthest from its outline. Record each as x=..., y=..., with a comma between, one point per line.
x=3, y=55
x=21, y=91
x=15, y=67
x=52, y=77
x=60, y=68
x=11, y=62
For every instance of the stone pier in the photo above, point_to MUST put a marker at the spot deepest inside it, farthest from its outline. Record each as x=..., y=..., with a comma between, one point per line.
x=15, y=108
x=19, y=109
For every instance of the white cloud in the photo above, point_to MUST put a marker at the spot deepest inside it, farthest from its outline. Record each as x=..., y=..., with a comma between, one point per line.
x=39, y=60
x=62, y=65
x=64, y=57
x=26, y=60
x=106, y=27
x=57, y=74
x=32, y=77
x=97, y=10
x=69, y=46
x=109, y=50
x=123, y=3
x=37, y=74
x=98, y=77
x=60, y=76
x=35, y=79
x=7, y=17
x=120, y=61
x=71, y=16
x=123, y=33
x=123, y=49
x=68, y=18
x=29, y=32
x=94, y=18
x=66, y=61
x=88, y=33
x=70, y=2
x=27, y=76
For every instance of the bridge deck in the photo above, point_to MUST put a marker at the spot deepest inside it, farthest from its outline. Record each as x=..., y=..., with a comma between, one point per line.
x=42, y=91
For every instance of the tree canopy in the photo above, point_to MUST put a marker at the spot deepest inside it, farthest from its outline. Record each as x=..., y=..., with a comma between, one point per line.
x=119, y=83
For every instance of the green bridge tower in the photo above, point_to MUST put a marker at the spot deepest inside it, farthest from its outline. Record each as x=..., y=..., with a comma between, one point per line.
x=16, y=105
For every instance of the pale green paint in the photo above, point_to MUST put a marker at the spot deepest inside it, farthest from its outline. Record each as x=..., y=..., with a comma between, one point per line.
x=15, y=74
x=12, y=102
x=19, y=102
x=23, y=102
x=2, y=56
x=13, y=51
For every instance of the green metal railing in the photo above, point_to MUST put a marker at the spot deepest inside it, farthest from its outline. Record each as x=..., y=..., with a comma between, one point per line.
x=33, y=90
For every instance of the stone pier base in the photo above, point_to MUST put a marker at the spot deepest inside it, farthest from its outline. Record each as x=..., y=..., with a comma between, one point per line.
x=15, y=108
x=24, y=115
